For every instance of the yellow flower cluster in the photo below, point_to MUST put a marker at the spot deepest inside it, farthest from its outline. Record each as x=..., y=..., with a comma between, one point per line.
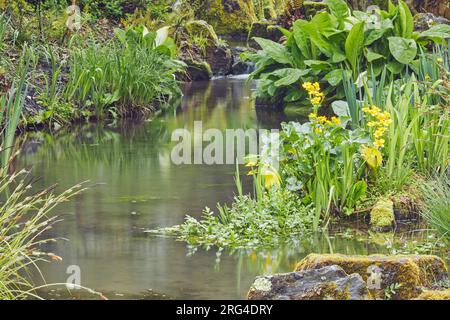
x=315, y=96
x=323, y=120
x=380, y=123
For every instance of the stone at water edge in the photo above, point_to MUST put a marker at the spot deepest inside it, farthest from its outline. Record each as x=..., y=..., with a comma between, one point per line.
x=220, y=59
x=382, y=215
x=434, y=295
x=328, y=283
x=411, y=272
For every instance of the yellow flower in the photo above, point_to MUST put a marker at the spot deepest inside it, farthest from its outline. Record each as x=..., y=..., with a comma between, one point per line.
x=379, y=133
x=427, y=78
x=318, y=130
x=372, y=124
x=372, y=156
x=335, y=120
x=251, y=173
x=322, y=119
x=313, y=115
x=316, y=100
x=271, y=178
x=379, y=143
x=251, y=164
x=366, y=109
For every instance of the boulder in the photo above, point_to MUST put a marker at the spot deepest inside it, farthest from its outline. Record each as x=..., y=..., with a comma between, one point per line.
x=241, y=66
x=382, y=215
x=330, y=282
x=196, y=71
x=228, y=17
x=411, y=272
x=424, y=21
x=220, y=59
x=203, y=29
x=263, y=29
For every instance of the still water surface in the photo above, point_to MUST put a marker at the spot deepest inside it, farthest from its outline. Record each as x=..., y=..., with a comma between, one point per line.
x=133, y=186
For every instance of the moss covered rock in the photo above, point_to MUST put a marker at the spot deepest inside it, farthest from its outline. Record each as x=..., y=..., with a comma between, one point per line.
x=327, y=283
x=411, y=272
x=263, y=29
x=228, y=17
x=196, y=71
x=382, y=215
x=203, y=29
x=434, y=295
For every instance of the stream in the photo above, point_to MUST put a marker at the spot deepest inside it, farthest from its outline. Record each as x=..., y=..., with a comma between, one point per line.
x=133, y=186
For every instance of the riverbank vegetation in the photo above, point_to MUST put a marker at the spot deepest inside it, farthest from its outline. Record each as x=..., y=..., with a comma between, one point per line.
x=375, y=146
x=389, y=133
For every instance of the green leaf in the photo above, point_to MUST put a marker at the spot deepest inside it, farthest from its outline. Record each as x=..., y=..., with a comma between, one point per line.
x=338, y=8
x=301, y=38
x=314, y=29
x=354, y=44
x=275, y=50
x=334, y=77
x=375, y=34
x=406, y=19
x=395, y=67
x=341, y=108
x=441, y=31
x=404, y=50
x=288, y=76
x=318, y=65
x=372, y=56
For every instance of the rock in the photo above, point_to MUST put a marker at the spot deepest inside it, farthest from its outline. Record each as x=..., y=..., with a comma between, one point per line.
x=412, y=272
x=327, y=283
x=263, y=29
x=196, y=71
x=382, y=215
x=203, y=29
x=424, y=21
x=241, y=66
x=220, y=59
x=228, y=17
x=434, y=295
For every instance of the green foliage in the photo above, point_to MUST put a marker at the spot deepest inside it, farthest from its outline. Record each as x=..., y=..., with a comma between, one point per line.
x=338, y=40
x=274, y=219
x=24, y=218
x=11, y=105
x=131, y=75
x=436, y=193
x=324, y=165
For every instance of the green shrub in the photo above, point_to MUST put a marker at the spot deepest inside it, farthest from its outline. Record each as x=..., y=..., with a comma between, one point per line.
x=268, y=222
x=127, y=77
x=340, y=42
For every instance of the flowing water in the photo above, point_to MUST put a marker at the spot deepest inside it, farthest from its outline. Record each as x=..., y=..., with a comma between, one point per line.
x=133, y=186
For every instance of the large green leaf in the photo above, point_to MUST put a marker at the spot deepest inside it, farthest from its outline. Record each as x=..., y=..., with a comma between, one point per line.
x=340, y=108
x=406, y=19
x=275, y=50
x=354, y=44
x=375, y=34
x=314, y=29
x=402, y=49
x=441, y=31
x=288, y=76
x=301, y=38
x=338, y=8
x=335, y=77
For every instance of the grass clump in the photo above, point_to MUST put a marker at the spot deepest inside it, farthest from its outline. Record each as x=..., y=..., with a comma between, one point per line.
x=24, y=218
x=436, y=211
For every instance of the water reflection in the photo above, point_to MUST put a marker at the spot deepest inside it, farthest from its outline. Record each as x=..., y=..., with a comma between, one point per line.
x=133, y=186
